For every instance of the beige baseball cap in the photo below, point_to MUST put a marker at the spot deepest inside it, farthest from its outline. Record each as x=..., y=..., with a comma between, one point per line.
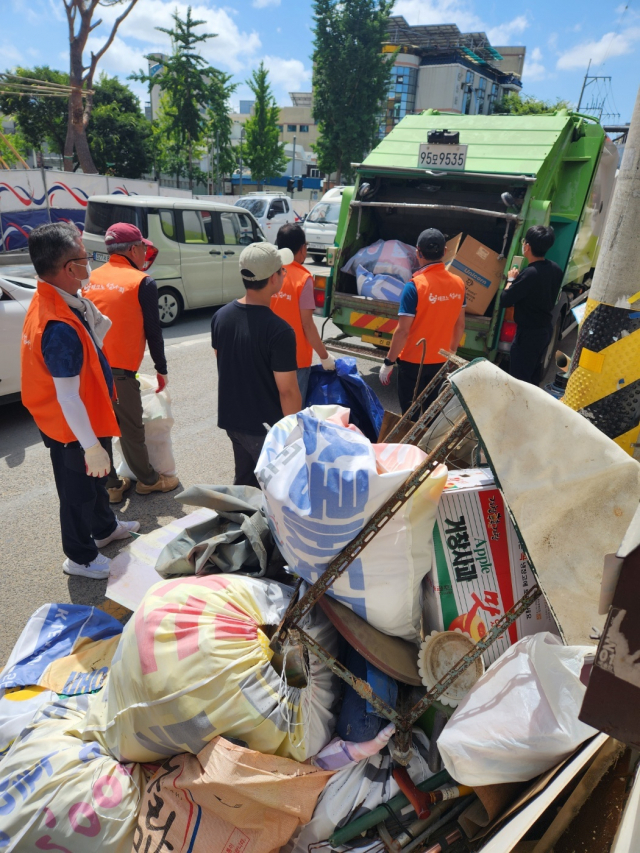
x=260, y=260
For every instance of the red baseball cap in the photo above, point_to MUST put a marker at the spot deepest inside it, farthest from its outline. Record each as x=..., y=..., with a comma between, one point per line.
x=124, y=232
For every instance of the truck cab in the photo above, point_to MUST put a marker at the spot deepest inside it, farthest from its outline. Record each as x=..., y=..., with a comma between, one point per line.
x=488, y=178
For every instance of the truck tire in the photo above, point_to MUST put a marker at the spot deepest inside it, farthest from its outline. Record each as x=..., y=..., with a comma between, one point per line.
x=318, y=259
x=170, y=306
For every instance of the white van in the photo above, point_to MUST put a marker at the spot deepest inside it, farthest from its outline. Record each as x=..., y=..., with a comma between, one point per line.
x=270, y=210
x=321, y=226
x=198, y=246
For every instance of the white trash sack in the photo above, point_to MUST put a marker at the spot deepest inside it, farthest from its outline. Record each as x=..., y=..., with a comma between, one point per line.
x=322, y=481
x=157, y=420
x=521, y=718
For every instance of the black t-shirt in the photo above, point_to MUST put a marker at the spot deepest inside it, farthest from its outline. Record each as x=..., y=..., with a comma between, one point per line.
x=252, y=343
x=534, y=293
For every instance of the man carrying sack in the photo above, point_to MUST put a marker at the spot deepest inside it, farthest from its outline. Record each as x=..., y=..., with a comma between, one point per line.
x=124, y=293
x=67, y=386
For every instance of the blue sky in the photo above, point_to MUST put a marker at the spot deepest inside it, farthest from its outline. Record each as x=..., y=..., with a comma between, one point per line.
x=560, y=38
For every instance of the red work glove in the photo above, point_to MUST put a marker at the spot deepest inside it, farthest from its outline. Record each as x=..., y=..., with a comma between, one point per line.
x=163, y=381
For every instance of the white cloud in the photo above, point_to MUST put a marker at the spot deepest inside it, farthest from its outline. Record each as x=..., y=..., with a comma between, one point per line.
x=232, y=50
x=534, y=67
x=11, y=55
x=505, y=33
x=261, y=4
x=288, y=75
x=425, y=12
x=607, y=47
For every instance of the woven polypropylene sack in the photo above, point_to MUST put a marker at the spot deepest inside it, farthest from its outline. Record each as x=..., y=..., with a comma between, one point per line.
x=157, y=420
x=58, y=792
x=323, y=480
x=194, y=662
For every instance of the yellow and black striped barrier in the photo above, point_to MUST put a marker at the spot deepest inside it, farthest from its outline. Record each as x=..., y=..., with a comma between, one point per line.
x=604, y=383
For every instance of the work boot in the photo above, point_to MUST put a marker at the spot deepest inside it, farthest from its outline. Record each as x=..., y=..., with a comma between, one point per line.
x=116, y=494
x=165, y=483
x=123, y=530
x=97, y=569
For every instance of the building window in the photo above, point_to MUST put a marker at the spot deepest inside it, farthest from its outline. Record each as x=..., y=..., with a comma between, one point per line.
x=401, y=98
x=493, y=97
x=304, y=128
x=291, y=128
x=468, y=93
x=481, y=92
x=280, y=128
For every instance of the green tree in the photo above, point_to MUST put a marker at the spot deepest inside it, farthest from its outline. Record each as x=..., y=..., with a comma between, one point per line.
x=185, y=81
x=40, y=118
x=119, y=134
x=262, y=150
x=220, y=125
x=351, y=78
x=515, y=103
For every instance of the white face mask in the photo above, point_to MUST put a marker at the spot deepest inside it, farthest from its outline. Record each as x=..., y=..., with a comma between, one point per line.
x=85, y=281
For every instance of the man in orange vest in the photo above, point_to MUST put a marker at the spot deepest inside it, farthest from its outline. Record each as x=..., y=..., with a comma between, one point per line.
x=123, y=292
x=295, y=304
x=67, y=386
x=431, y=307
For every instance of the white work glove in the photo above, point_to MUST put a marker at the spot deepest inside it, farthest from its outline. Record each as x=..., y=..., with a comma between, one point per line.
x=385, y=373
x=328, y=363
x=163, y=381
x=96, y=460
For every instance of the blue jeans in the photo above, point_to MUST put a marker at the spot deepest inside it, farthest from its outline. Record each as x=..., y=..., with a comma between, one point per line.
x=357, y=720
x=303, y=382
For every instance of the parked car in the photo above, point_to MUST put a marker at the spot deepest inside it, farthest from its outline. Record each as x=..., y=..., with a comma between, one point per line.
x=321, y=226
x=270, y=210
x=198, y=246
x=15, y=296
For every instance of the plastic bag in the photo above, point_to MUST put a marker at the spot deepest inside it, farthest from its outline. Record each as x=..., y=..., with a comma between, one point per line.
x=323, y=480
x=345, y=387
x=194, y=662
x=157, y=420
x=246, y=801
x=58, y=792
x=521, y=718
x=387, y=288
x=385, y=257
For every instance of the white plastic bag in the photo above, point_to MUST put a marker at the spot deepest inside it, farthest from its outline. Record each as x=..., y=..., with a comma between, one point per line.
x=521, y=718
x=323, y=480
x=387, y=288
x=157, y=420
x=385, y=257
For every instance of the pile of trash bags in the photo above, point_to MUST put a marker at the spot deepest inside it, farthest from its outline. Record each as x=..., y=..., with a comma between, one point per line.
x=186, y=730
x=382, y=269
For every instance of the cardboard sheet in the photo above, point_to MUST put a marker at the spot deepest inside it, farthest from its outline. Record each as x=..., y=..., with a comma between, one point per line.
x=571, y=490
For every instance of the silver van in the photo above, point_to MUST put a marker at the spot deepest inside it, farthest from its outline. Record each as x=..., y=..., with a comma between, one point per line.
x=198, y=246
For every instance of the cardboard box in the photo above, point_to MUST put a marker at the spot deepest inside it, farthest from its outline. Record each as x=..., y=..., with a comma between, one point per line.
x=481, y=270
x=479, y=569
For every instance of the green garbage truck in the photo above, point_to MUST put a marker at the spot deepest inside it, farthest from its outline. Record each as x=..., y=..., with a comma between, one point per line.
x=482, y=181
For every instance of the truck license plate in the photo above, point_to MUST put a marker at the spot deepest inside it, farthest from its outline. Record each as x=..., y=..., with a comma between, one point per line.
x=452, y=157
x=102, y=257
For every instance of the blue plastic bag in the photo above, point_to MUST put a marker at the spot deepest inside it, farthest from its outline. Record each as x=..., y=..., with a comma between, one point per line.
x=345, y=387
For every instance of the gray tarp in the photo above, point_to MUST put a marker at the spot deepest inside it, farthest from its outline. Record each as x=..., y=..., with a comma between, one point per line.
x=237, y=539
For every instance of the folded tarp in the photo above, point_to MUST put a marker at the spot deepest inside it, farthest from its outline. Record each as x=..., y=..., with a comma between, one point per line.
x=236, y=539
x=571, y=490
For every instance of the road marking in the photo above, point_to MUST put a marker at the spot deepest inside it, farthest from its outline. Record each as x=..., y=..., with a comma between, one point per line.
x=191, y=342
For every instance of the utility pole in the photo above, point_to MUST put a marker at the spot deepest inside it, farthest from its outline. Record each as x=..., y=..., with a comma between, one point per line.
x=293, y=168
x=241, y=141
x=604, y=377
x=584, y=83
x=217, y=162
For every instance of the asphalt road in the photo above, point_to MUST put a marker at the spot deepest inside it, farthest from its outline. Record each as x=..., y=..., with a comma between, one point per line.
x=31, y=570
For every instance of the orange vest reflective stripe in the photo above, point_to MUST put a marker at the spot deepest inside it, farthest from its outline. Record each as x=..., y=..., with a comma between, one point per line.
x=113, y=289
x=440, y=297
x=286, y=304
x=38, y=389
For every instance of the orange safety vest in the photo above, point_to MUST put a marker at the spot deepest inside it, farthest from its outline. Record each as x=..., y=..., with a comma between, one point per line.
x=113, y=289
x=38, y=389
x=440, y=297
x=286, y=304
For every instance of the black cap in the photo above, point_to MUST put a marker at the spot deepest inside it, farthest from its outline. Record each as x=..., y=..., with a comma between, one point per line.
x=431, y=243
